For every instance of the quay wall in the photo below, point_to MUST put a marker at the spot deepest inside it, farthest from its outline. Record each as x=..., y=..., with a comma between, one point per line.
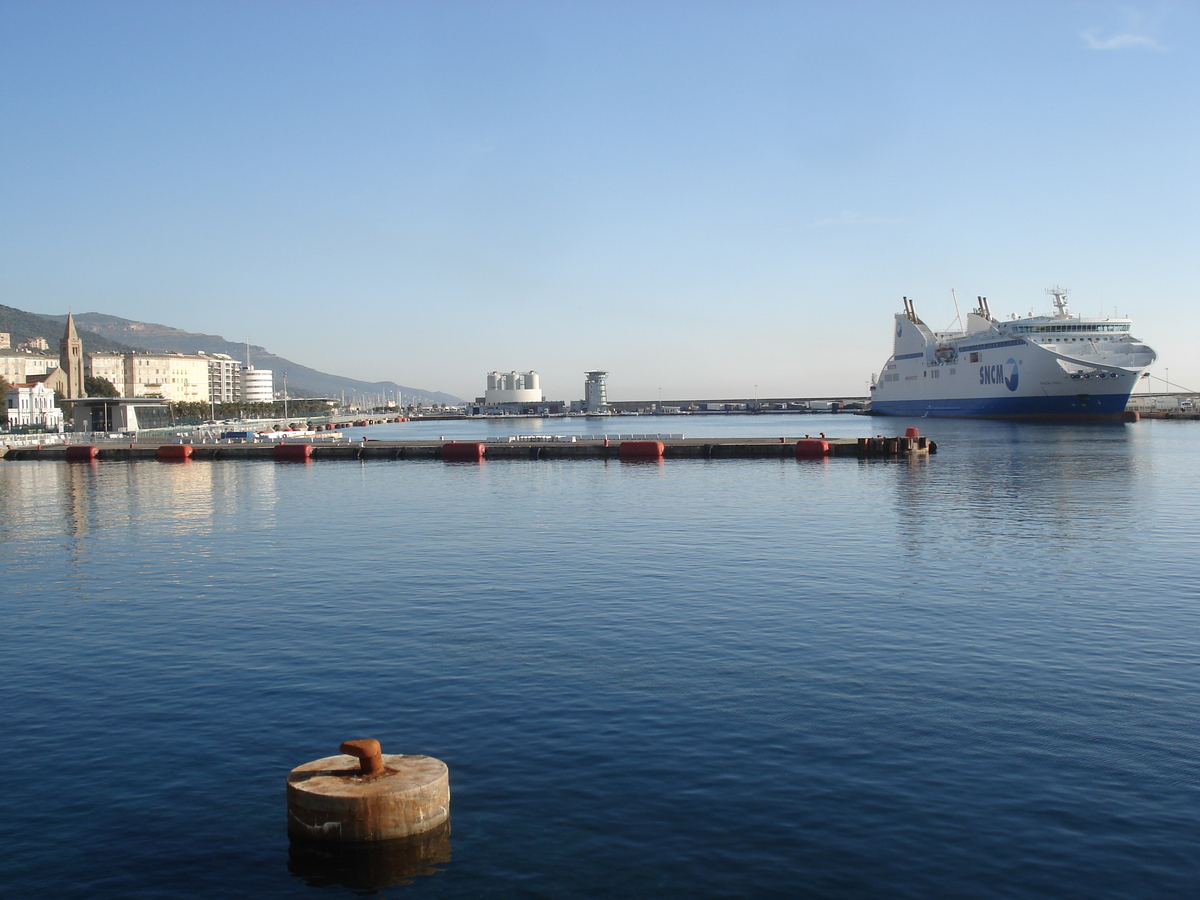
x=686, y=448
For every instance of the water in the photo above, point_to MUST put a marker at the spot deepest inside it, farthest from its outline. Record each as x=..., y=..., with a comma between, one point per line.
x=968, y=675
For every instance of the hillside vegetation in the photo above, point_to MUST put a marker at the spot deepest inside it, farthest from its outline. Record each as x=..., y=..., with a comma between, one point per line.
x=24, y=326
x=99, y=331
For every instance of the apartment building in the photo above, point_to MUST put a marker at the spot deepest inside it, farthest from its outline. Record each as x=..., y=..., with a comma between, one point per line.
x=178, y=377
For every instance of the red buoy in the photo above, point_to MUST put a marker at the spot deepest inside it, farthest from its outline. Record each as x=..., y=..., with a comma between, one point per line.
x=82, y=453
x=468, y=451
x=175, y=451
x=293, y=452
x=640, y=450
x=811, y=449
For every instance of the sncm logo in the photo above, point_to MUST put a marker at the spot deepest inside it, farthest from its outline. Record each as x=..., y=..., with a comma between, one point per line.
x=995, y=374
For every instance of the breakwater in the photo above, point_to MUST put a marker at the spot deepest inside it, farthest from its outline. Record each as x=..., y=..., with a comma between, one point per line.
x=459, y=451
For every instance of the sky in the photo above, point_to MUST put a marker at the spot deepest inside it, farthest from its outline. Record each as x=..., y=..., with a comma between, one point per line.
x=707, y=200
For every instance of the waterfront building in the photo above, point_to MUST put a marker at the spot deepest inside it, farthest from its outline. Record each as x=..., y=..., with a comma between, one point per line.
x=224, y=378
x=513, y=387
x=32, y=405
x=110, y=367
x=544, y=408
x=172, y=376
x=17, y=366
x=258, y=385
x=119, y=414
x=515, y=394
x=595, y=392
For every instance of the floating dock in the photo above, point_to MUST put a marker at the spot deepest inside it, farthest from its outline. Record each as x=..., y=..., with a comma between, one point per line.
x=476, y=451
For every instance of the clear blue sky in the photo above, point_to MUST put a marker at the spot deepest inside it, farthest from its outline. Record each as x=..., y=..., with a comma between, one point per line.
x=707, y=199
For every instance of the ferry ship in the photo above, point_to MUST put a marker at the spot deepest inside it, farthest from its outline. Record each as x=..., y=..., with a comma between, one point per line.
x=1060, y=367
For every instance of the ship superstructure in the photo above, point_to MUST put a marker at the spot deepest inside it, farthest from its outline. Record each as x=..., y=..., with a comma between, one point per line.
x=1058, y=366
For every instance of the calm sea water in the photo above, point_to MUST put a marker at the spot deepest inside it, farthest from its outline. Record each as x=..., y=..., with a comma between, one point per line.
x=973, y=675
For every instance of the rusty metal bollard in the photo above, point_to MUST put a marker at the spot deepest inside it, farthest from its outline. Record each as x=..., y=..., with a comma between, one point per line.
x=369, y=754
x=383, y=797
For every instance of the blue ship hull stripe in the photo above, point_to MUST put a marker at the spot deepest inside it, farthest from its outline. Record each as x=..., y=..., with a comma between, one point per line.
x=1016, y=343
x=1005, y=407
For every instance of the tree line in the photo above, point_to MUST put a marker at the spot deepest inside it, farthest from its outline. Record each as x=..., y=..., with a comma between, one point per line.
x=194, y=412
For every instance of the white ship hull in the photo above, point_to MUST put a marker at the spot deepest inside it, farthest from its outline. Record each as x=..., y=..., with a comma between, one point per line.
x=1049, y=367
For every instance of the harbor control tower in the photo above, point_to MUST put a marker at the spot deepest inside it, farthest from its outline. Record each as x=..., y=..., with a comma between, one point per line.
x=595, y=393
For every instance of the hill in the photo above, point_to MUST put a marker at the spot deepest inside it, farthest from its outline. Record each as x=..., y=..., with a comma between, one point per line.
x=26, y=325
x=104, y=332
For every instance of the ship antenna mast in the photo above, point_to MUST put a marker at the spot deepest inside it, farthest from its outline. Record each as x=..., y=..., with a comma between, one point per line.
x=957, y=311
x=1060, y=301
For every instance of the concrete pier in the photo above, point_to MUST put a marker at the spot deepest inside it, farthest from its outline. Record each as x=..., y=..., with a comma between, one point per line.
x=684, y=448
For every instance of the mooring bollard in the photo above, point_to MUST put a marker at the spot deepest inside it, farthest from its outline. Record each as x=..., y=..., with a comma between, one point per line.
x=381, y=798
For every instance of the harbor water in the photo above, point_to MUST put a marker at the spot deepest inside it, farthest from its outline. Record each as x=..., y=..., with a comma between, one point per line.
x=972, y=674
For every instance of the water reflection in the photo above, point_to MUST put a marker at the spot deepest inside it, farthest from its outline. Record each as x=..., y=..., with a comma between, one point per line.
x=1000, y=483
x=180, y=500
x=79, y=478
x=644, y=464
x=368, y=867
x=29, y=500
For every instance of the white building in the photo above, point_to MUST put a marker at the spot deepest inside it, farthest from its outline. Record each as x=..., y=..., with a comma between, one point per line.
x=17, y=367
x=595, y=392
x=119, y=414
x=109, y=366
x=5, y=340
x=258, y=385
x=224, y=378
x=172, y=376
x=513, y=387
x=179, y=377
x=33, y=404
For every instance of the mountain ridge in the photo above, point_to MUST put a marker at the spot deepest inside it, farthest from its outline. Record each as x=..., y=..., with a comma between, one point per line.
x=24, y=325
x=110, y=332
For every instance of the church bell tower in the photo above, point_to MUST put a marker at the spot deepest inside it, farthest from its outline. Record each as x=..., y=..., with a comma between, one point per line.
x=70, y=358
